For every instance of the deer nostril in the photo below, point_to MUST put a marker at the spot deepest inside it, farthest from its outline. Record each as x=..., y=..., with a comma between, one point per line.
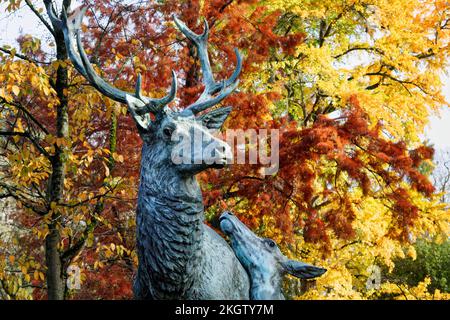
x=224, y=214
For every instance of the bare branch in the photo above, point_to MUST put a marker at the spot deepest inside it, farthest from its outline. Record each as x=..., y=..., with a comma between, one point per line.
x=36, y=12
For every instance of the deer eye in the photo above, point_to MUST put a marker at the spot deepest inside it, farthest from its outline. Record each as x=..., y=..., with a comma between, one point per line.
x=271, y=243
x=168, y=131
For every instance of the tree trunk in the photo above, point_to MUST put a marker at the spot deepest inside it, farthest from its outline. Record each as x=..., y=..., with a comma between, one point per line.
x=56, y=277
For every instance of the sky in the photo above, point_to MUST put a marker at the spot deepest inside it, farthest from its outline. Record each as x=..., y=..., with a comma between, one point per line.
x=24, y=21
x=438, y=131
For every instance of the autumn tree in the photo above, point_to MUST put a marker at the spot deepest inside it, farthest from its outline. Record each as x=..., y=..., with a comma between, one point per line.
x=58, y=139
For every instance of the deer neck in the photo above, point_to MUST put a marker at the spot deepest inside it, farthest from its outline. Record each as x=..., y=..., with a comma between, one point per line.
x=169, y=229
x=265, y=287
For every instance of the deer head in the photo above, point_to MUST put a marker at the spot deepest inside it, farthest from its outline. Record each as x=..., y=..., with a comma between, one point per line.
x=263, y=260
x=170, y=134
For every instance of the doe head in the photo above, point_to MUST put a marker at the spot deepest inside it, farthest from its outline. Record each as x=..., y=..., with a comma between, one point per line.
x=261, y=257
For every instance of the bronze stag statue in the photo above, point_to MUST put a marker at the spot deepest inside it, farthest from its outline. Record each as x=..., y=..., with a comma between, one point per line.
x=180, y=257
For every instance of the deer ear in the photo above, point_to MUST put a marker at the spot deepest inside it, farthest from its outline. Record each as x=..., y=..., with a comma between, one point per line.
x=143, y=122
x=215, y=118
x=302, y=270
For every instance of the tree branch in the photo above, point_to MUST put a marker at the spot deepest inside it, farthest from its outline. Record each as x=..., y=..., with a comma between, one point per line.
x=29, y=137
x=36, y=12
x=221, y=9
x=13, y=192
x=402, y=82
x=26, y=112
x=71, y=252
x=358, y=49
x=23, y=57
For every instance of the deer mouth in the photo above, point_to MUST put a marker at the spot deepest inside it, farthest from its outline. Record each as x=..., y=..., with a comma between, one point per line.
x=238, y=232
x=221, y=163
x=226, y=223
x=218, y=165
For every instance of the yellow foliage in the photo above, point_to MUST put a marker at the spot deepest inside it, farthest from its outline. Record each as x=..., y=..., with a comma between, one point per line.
x=419, y=292
x=390, y=54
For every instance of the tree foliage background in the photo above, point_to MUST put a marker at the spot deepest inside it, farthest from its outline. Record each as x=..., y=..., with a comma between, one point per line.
x=350, y=84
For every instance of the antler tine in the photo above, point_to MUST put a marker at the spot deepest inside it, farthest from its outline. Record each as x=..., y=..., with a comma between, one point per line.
x=234, y=76
x=153, y=105
x=71, y=27
x=201, y=42
x=212, y=87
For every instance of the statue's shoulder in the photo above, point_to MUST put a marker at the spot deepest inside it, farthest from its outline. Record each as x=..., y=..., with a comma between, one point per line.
x=215, y=246
x=213, y=236
x=218, y=255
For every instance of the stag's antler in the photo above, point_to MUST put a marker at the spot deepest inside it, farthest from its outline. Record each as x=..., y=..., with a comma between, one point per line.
x=71, y=27
x=213, y=93
x=223, y=88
